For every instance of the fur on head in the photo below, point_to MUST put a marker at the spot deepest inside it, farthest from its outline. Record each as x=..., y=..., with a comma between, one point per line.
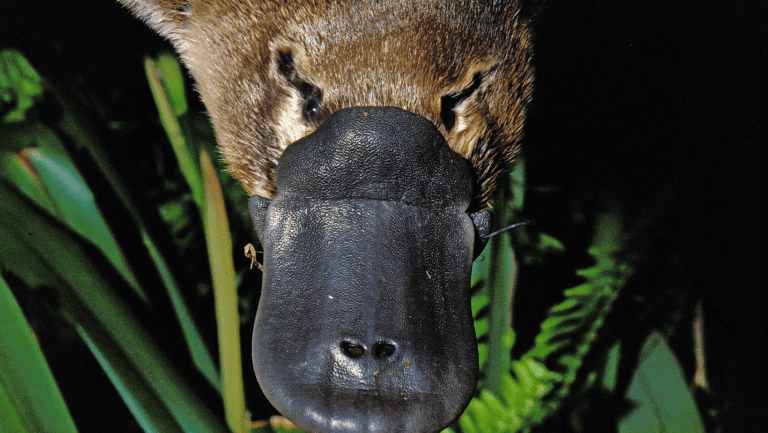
x=270, y=71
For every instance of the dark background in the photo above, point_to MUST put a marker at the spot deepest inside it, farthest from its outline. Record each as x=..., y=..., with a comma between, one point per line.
x=660, y=106
x=664, y=107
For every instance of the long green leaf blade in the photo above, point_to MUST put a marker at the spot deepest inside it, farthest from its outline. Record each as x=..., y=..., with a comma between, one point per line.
x=95, y=289
x=194, y=339
x=146, y=406
x=225, y=292
x=166, y=84
x=78, y=207
x=165, y=107
x=30, y=400
x=77, y=125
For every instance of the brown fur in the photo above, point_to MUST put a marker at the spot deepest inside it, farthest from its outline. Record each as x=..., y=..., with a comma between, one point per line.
x=403, y=53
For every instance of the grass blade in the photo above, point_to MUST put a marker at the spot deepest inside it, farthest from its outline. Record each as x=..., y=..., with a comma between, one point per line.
x=225, y=292
x=167, y=111
x=166, y=84
x=146, y=406
x=194, y=339
x=30, y=400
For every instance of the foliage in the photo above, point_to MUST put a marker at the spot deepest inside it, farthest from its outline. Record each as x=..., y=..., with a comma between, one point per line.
x=536, y=384
x=57, y=233
x=72, y=225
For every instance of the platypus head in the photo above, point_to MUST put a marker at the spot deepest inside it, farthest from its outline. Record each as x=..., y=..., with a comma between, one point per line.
x=369, y=217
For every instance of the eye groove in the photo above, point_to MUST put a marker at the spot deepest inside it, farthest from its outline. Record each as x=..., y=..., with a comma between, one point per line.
x=352, y=350
x=285, y=65
x=450, y=101
x=311, y=94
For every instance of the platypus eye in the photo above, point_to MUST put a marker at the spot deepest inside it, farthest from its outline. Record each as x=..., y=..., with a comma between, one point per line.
x=311, y=109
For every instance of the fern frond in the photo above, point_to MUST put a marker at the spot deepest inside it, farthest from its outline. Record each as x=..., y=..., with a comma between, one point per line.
x=541, y=379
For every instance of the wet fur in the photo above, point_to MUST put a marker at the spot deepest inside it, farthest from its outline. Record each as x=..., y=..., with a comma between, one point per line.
x=465, y=66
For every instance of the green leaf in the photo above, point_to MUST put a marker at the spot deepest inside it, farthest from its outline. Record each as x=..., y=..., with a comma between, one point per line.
x=580, y=290
x=500, y=283
x=76, y=126
x=466, y=422
x=225, y=293
x=478, y=303
x=482, y=355
x=30, y=400
x=664, y=403
x=14, y=256
x=197, y=348
x=548, y=243
x=77, y=207
x=611, y=370
x=510, y=389
x=87, y=279
x=19, y=83
x=17, y=169
x=187, y=160
x=47, y=175
x=493, y=403
x=525, y=377
x=567, y=305
x=480, y=415
x=144, y=403
x=481, y=327
x=172, y=80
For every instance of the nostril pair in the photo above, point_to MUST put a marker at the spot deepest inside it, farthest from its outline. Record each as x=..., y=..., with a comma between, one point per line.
x=380, y=350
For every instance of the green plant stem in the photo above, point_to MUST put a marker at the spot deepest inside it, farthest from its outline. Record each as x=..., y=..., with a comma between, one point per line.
x=500, y=285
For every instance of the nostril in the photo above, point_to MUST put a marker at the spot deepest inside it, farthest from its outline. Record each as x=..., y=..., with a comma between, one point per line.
x=352, y=350
x=383, y=349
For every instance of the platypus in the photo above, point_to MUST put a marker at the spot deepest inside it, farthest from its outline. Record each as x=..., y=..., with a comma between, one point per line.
x=370, y=136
